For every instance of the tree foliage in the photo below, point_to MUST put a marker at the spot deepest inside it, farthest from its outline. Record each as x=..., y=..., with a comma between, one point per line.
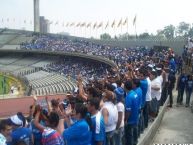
x=105, y=36
x=183, y=30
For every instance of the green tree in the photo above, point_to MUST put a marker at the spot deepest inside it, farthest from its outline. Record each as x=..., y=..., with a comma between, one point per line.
x=168, y=31
x=183, y=29
x=105, y=36
x=144, y=35
x=126, y=36
x=190, y=33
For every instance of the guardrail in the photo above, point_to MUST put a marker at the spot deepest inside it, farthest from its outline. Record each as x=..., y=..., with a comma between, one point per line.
x=146, y=139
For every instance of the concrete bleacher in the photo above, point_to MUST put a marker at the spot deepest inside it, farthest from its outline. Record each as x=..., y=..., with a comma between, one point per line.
x=10, y=47
x=18, y=40
x=9, y=59
x=44, y=83
x=5, y=38
x=37, y=75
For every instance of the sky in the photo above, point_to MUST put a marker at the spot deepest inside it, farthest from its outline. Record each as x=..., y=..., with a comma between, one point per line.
x=151, y=14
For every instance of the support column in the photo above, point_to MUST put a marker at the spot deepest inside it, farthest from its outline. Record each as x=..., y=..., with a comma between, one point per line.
x=36, y=16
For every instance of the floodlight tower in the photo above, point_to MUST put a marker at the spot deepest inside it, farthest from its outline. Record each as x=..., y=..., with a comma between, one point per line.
x=36, y=16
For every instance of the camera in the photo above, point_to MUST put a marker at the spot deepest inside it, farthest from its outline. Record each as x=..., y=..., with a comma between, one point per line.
x=65, y=103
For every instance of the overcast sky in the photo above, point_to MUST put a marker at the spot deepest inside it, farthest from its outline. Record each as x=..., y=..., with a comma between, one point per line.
x=151, y=14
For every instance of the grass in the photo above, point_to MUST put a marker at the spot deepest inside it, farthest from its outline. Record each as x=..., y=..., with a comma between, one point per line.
x=4, y=87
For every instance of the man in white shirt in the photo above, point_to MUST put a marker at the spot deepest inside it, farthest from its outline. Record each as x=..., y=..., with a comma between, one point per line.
x=155, y=92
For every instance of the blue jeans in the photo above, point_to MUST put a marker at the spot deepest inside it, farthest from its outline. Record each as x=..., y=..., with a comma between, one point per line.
x=180, y=95
x=131, y=134
x=146, y=113
x=119, y=136
x=110, y=138
x=188, y=96
x=141, y=123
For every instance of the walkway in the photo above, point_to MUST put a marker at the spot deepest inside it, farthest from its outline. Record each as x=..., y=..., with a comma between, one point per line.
x=176, y=126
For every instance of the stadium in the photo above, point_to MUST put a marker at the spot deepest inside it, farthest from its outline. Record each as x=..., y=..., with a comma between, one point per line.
x=45, y=74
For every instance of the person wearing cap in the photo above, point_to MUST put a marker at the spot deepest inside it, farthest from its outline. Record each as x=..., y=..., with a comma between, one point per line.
x=131, y=114
x=119, y=92
x=20, y=132
x=5, y=131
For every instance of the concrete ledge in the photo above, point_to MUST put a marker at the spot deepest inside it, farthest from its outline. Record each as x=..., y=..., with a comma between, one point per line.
x=150, y=132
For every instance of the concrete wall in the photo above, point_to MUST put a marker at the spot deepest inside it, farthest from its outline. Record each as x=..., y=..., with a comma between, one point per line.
x=92, y=57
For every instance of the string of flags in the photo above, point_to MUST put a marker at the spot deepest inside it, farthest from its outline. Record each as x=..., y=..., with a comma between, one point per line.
x=93, y=25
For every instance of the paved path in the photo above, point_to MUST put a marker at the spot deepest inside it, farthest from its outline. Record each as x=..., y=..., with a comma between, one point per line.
x=176, y=126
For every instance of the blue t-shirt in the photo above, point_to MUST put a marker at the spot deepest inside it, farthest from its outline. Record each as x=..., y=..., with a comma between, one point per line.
x=23, y=133
x=78, y=134
x=182, y=81
x=139, y=97
x=131, y=105
x=36, y=133
x=98, y=129
x=144, y=87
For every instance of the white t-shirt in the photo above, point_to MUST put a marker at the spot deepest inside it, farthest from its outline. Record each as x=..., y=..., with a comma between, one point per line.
x=113, y=116
x=148, y=95
x=121, y=108
x=156, y=93
x=2, y=139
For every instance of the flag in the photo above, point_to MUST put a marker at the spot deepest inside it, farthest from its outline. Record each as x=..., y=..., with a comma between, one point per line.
x=100, y=25
x=7, y=19
x=67, y=24
x=31, y=22
x=83, y=24
x=125, y=22
x=72, y=24
x=113, y=24
x=77, y=25
x=24, y=21
x=88, y=25
x=51, y=22
x=94, y=25
x=13, y=19
x=120, y=23
x=2, y=20
x=134, y=20
x=107, y=25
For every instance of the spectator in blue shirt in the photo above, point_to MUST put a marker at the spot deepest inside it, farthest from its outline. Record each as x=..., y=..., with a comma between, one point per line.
x=189, y=88
x=181, y=83
x=138, y=90
x=78, y=133
x=98, y=125
x=144, y=88
x=131, y=115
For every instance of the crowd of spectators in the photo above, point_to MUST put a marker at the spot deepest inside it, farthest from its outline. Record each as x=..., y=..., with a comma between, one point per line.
x=73, y=66
x=113, y=109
